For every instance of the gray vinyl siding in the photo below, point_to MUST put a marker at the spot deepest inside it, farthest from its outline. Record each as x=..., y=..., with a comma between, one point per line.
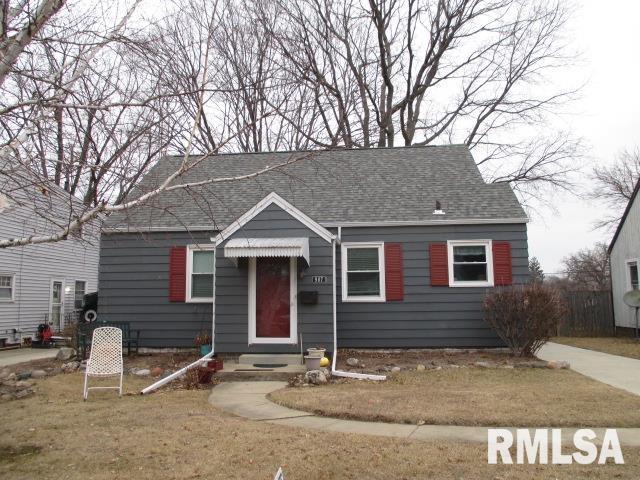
x=315, y=322
x=134, y=287
x=626, y=247
x=34, y=267
x=428, y=316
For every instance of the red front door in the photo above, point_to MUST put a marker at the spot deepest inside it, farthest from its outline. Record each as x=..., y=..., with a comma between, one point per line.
x=273, y=294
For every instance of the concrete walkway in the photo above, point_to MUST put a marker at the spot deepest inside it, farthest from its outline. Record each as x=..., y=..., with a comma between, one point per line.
x=248, y=400
x=620, y=372
x=19, y=355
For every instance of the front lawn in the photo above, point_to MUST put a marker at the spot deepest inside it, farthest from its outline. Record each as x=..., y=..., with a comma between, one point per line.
x=526, y=397
x=177, y=434
x=623, y=346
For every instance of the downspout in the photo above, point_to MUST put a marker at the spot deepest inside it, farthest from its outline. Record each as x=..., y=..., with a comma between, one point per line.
x=200, y=361
x=341, y=373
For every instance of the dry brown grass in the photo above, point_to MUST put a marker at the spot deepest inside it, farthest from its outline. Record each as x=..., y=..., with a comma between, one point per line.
x=471, y=396
x=177, y=434
x=626, y=347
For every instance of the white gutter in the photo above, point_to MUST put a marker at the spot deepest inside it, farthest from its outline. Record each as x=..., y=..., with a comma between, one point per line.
x=417, y=223
x=341, y=373
x=200, y=361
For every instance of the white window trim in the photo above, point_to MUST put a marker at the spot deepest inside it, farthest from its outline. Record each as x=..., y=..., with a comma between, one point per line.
x=62, y=300
x=489, y=253
x=345, y=246
x=13, y=287
x=627, y=264
x=190, y=250
x=86, y=289
x=292, y=339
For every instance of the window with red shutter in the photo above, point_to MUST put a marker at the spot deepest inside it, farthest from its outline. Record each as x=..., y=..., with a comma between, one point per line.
x=177, y=274
x=394, y=278
x=438, y=264
x=502, y=265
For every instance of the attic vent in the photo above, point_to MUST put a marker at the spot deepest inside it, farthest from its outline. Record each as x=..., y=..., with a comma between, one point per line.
x=438, y=210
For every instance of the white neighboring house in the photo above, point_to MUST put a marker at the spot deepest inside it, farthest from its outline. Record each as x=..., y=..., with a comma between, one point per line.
x=624, y=252
x=43, y=282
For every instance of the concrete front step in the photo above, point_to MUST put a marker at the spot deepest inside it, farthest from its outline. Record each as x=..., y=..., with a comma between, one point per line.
x=234, y=372
x=270, y=358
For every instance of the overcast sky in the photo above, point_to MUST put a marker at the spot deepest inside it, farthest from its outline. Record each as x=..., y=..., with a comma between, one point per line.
x=607, y=115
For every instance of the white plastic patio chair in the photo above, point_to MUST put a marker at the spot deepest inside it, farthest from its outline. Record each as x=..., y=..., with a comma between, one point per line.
x=105, y=359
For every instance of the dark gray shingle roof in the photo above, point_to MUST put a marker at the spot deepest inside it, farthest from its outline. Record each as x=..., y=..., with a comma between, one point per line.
x=372, y=185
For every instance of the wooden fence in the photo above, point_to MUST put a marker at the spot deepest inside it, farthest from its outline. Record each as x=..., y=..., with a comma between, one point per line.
x=590, y=314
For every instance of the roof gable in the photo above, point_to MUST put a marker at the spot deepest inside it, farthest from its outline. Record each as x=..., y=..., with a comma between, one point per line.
x=624, y=216
x=273, y=199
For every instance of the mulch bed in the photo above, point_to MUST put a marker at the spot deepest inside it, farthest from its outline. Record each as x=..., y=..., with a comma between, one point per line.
x=380, y=361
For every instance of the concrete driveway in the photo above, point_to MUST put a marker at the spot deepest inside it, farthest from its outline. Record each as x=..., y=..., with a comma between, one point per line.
x=620, y=372
x=19, y=355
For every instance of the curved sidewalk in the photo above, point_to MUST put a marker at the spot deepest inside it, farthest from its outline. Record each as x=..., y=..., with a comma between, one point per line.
x=248, y=400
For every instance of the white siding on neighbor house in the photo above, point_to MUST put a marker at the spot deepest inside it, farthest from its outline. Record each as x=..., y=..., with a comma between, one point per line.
x=626, y=247
x=35, y=267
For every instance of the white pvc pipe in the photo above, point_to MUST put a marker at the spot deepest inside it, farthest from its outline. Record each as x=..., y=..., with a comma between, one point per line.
x=341, y=373
x=176, y=374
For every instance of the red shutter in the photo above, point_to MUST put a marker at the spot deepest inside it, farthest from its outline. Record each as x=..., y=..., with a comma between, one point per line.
x=177, y=274
x=439, y=265
x=502, y=268
x=393, y=277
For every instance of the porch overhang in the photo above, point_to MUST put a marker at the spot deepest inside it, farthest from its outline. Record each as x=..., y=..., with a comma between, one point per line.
x=268, y=247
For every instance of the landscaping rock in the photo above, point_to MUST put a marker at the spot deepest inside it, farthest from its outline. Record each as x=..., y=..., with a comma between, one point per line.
x=395, y=369
x=421, y=367
x=23, y=393
x=38, y=374
x=24, y=375
x=531, y=364
x=142, y=372
x=558, y=364
x=65, y=353
x=156, y=371
x=485, y=364
x=352, y=362
x=4, y=374
x=315, y=377
x=55, y=371
x=70, y=367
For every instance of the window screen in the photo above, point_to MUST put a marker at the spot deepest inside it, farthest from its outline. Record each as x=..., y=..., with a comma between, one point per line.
x=363, y=272
x=6, y=287
x=470, y=263
x=202, y=274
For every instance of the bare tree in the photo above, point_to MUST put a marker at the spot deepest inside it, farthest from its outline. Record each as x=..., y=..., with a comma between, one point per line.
x=615, y=185
x=426, y=71
x=589, y=268
x=19, y=24
x=95, y=96
x=93, y=131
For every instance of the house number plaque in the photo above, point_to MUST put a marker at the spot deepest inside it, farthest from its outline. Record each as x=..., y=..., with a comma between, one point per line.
x=318, y=279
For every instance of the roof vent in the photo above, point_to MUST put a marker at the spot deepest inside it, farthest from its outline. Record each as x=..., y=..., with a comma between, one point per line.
x=438, y=210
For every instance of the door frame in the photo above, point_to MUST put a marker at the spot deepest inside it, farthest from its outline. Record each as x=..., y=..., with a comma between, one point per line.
x=292, y=339
x=62, y=298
